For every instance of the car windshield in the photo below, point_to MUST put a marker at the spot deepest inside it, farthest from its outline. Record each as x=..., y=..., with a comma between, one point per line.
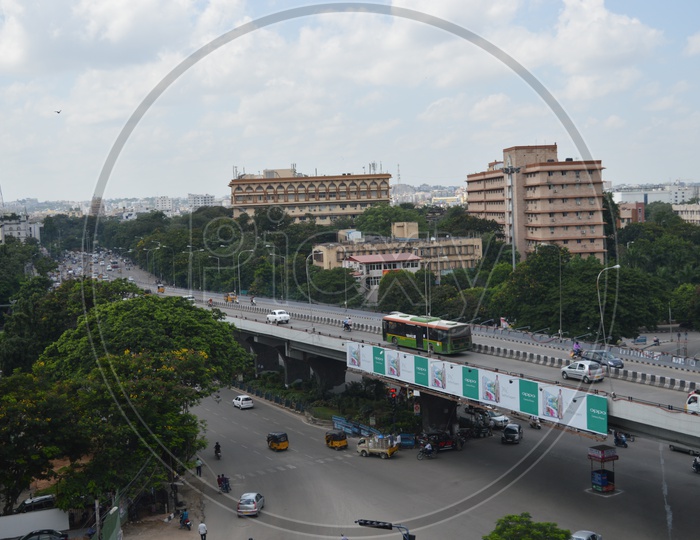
x=511, y=429
x=594, y=365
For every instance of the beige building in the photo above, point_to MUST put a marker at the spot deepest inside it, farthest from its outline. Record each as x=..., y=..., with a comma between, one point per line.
x=326, y=198
x=689, y=213
x=539, y=199
x=631, y=212
x=439, y=255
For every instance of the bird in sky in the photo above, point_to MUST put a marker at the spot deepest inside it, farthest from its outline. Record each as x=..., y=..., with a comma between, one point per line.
x=58, y=112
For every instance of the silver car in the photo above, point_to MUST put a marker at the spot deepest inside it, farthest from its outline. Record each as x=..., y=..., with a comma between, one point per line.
x=243, y=402
x=584, y=370
x=250, y=504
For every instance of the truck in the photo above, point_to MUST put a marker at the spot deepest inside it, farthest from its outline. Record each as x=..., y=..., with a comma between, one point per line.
x=379, y=445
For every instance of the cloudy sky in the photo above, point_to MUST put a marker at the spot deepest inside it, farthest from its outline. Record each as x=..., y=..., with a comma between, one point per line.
x=334, y=92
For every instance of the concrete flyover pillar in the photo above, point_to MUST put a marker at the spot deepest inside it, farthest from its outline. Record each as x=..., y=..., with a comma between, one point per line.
x=329, y=373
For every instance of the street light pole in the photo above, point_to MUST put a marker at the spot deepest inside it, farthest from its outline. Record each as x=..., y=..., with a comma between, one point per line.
x=600, y=305
x=560, y=288
x=240, y=285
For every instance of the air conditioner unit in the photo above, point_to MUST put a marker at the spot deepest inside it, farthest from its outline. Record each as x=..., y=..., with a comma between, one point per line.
x=556, y=191
x=552, y=220
x=579, y=217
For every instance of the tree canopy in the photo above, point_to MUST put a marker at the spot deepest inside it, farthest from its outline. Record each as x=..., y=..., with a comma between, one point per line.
x=521, y=527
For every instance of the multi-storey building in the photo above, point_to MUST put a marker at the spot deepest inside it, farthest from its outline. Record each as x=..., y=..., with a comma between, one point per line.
x=539, y=199
x=325, y=198
x=631, y=212
x=197, y=201
x=20, y=227
x=688, y=212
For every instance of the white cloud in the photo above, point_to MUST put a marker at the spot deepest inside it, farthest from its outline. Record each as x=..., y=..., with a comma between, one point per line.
x=492, y=108
x=614, y=122
x=13, y=37
x=692, y=45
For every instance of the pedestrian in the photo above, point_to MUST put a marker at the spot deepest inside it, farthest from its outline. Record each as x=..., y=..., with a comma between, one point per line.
x=219, y=480
x=198, y=464
x=202, y=530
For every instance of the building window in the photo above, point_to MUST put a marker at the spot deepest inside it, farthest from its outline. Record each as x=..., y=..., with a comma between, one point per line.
x=578, y=201
x=591, y=200
x=563, y=173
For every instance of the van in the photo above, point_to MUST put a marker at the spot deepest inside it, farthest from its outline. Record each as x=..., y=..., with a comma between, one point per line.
x=692, y=402
x=44, y=502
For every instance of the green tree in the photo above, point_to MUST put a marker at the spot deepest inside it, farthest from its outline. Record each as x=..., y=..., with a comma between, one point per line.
x=145, y=324
x=37, y=426
x=401, y=291
x=377, y=220
x=521, y=527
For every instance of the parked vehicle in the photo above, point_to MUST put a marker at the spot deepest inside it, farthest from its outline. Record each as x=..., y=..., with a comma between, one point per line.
x=586, y=535
x=585, y=370
x=277, y=441
x=278, y=316
x=43, y=502
x=379, y=445
x=243, y=402
x=605, y=358
x=250, y=504
x=45, y=534
x=336, y=439
x=512, y=433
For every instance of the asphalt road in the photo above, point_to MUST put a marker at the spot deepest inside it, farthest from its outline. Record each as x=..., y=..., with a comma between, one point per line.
x=315, y=492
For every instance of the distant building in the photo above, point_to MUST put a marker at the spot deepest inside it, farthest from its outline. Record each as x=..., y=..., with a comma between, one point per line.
x=539, y=199
x=631, y=212
x=671, y=193
x=164, y=204
x=688, y=212
x=21, y=228
x=325, y=198
x=438, y=255
x=195, y=201
x=369, y=269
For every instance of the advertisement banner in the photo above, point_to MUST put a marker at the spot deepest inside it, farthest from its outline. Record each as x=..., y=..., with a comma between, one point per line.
x=551, y=402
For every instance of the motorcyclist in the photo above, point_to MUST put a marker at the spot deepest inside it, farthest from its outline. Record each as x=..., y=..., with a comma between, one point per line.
x=183, y=517
x=252, y=300
x=619, y=439
x=210, y=302
x=347, y=323
x=217, y=449
x=428, y=449
x=577, y=348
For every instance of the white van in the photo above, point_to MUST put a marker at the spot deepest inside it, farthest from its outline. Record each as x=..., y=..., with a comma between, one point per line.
x=692, y=402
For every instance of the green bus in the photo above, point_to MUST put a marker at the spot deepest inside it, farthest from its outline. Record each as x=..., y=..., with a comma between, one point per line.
x=430, y=334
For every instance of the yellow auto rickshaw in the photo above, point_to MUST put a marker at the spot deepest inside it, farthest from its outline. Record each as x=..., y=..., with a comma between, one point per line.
x=161, y=288
x=336, y=439
x=277, y=441
x=231, y=298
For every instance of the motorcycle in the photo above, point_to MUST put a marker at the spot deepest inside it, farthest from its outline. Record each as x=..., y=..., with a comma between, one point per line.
x=186, y=523
x=620, y=440
x=225, y=485
x=252, y=302
x=535, y=423
x=423, y=453
x=217, y=453
x=696, y=465
x=347, y=327
x=576, y=353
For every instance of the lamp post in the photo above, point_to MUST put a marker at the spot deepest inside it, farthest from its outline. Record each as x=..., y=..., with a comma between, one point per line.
x=173, y=253
x=284, y=265
x=148, y=252
x=600, y=305
x=240, y=285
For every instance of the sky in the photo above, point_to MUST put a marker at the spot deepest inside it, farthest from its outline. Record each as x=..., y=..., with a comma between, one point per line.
x=429, y=95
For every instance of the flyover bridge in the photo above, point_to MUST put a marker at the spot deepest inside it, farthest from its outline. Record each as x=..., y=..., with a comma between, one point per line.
x=316, y=341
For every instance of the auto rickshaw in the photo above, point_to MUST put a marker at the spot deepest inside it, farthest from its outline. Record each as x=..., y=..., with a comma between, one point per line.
x=161, y=288
x=336, y=439
x=231, y=298
x=277, y=441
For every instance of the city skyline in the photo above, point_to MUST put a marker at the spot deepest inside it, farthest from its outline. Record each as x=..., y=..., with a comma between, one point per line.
x=334, y=93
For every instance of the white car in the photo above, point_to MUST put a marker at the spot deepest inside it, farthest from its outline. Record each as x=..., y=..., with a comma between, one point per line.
x=188, y=297
x=498, y=419
x=243, y=402
x=131, y=279
x=586, y=535
x=278, y=316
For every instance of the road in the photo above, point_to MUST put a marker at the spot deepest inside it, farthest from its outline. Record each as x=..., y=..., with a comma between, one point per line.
x=315, y=492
